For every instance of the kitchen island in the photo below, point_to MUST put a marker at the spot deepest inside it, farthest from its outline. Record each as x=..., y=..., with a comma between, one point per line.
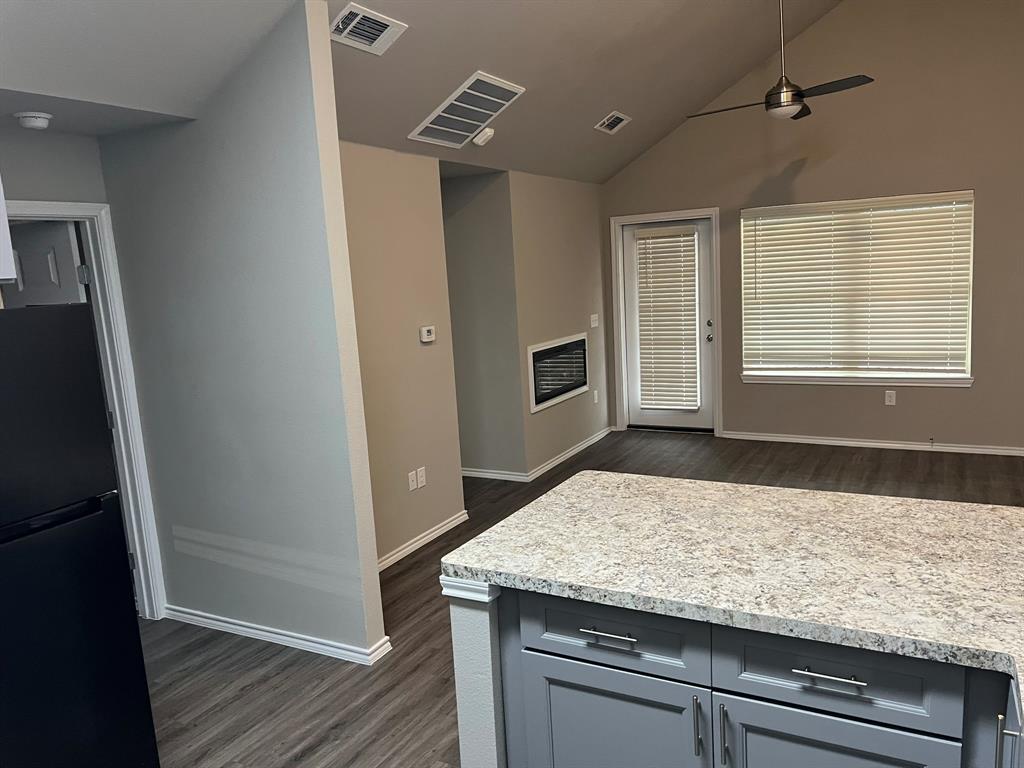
x=775, y=623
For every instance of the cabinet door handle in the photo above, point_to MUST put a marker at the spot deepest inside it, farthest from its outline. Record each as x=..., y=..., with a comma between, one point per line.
x=723, y=743
x=594, y=632
x=697, y=745
x=1000, y=733
x=806, y=671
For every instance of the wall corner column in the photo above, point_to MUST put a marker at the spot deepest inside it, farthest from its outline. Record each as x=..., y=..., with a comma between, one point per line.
x=476, y=650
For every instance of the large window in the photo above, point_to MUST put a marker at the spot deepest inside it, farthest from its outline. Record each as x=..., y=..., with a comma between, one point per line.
x=859, y=291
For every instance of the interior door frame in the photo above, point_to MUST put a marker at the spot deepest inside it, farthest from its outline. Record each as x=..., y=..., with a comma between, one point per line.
x=619, y=356
x=100, y=256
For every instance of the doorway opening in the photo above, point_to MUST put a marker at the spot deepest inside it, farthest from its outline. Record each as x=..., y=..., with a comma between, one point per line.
x=665, y=295
x=65, y=254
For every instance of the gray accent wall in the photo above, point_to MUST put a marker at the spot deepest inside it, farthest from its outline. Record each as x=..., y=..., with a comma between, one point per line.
x=898, y=135
x=485, y=329
x=233, y=259
x=396, y=244
x=51, y=166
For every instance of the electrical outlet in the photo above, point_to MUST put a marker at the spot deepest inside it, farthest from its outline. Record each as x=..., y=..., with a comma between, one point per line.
x=413, y=485
x=595, y=396
x=890, y=397
x=593, y=321
x=421, y=477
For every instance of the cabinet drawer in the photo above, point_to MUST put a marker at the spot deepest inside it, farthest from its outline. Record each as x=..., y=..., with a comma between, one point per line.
x=642, y=642
x=580, y=715
x=895, y=690
x=756, y=734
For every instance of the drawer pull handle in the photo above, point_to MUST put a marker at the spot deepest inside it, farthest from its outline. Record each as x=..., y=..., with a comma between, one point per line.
x=723, y=743
x=806, y=671
x=697, y=744
x=608, y=635
x=1000, y=733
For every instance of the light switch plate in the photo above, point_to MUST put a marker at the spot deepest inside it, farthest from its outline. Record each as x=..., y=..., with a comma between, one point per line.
x=428, y=333
x=890, y=397
x=421, y=477
x=413, y=485
x=594, y=319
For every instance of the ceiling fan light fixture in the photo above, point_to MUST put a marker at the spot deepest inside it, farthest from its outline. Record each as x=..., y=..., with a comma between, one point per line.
x=785, y=111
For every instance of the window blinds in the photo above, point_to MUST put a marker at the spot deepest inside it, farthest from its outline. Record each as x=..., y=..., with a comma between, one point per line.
x=860, y=288
x=666, y=264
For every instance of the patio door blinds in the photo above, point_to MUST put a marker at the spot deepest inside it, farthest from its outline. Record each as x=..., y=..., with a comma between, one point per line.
x=666, y=264
x=859, y=289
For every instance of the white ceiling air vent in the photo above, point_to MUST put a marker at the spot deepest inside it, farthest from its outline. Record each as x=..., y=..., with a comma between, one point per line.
x=613, y=123
x=460, y=117
x=365, y=29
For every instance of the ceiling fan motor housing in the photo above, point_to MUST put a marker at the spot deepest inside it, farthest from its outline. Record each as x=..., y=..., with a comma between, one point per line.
x=783, y=94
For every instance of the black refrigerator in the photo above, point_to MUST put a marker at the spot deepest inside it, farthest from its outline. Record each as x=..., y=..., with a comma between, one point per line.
x=72, y=681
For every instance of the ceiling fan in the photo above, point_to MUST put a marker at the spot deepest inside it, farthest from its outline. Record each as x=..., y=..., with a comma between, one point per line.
x=785, y=98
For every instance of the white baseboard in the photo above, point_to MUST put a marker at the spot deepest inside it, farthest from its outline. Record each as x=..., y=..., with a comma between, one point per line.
x=427, y=536
x=330, y=648
x=999, y=450
x=496, y=474
x=533, y=474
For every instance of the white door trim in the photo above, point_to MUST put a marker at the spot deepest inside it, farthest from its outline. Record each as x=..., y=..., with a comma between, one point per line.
x=619, y=357
x=116, y=358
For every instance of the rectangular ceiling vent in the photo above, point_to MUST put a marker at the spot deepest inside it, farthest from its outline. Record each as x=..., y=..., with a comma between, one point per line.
x=365, y=29
x=613, y=123
x=472, y=106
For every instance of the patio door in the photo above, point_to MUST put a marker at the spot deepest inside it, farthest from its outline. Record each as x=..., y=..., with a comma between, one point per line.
x=669, y=323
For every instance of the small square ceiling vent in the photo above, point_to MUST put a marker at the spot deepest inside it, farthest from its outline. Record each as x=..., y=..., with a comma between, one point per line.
x=365, y=29
x=613, y=123
x=472, y=106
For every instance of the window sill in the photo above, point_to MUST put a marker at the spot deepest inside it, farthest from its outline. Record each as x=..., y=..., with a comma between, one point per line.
x=861, y=380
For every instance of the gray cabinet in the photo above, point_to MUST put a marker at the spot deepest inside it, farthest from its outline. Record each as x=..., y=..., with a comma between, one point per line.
x=663, y=646
x=756, y=734
x=891, y=690
x=581, y=715
x=595, y=686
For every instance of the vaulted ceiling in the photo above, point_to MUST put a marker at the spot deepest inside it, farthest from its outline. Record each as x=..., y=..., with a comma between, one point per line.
x=655, y=60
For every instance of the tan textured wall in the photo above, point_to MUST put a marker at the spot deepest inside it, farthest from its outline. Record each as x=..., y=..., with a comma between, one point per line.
x=482, y=291
x=943, y=115
x=556, y=227
x=396, y=245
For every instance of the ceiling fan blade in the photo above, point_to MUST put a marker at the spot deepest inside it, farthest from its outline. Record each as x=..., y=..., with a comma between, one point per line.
x=837, y=85
x=804, y=112
x=728, y=109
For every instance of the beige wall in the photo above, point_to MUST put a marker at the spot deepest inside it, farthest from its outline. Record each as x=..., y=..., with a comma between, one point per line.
x=482, y=291
x=397, y=252
x=943, y=115
x=556, y=226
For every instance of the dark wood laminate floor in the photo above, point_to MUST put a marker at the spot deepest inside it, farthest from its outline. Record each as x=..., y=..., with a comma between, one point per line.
x=222, y=701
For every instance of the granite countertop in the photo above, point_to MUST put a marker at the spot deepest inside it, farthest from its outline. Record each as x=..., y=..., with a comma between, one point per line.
x=931, y=579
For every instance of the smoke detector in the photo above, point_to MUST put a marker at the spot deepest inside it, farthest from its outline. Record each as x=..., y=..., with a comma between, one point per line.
x=35, y=121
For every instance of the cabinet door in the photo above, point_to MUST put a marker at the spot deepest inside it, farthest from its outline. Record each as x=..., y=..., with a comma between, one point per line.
x=755, y=734
x=1010, y=745
x=579, y=715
